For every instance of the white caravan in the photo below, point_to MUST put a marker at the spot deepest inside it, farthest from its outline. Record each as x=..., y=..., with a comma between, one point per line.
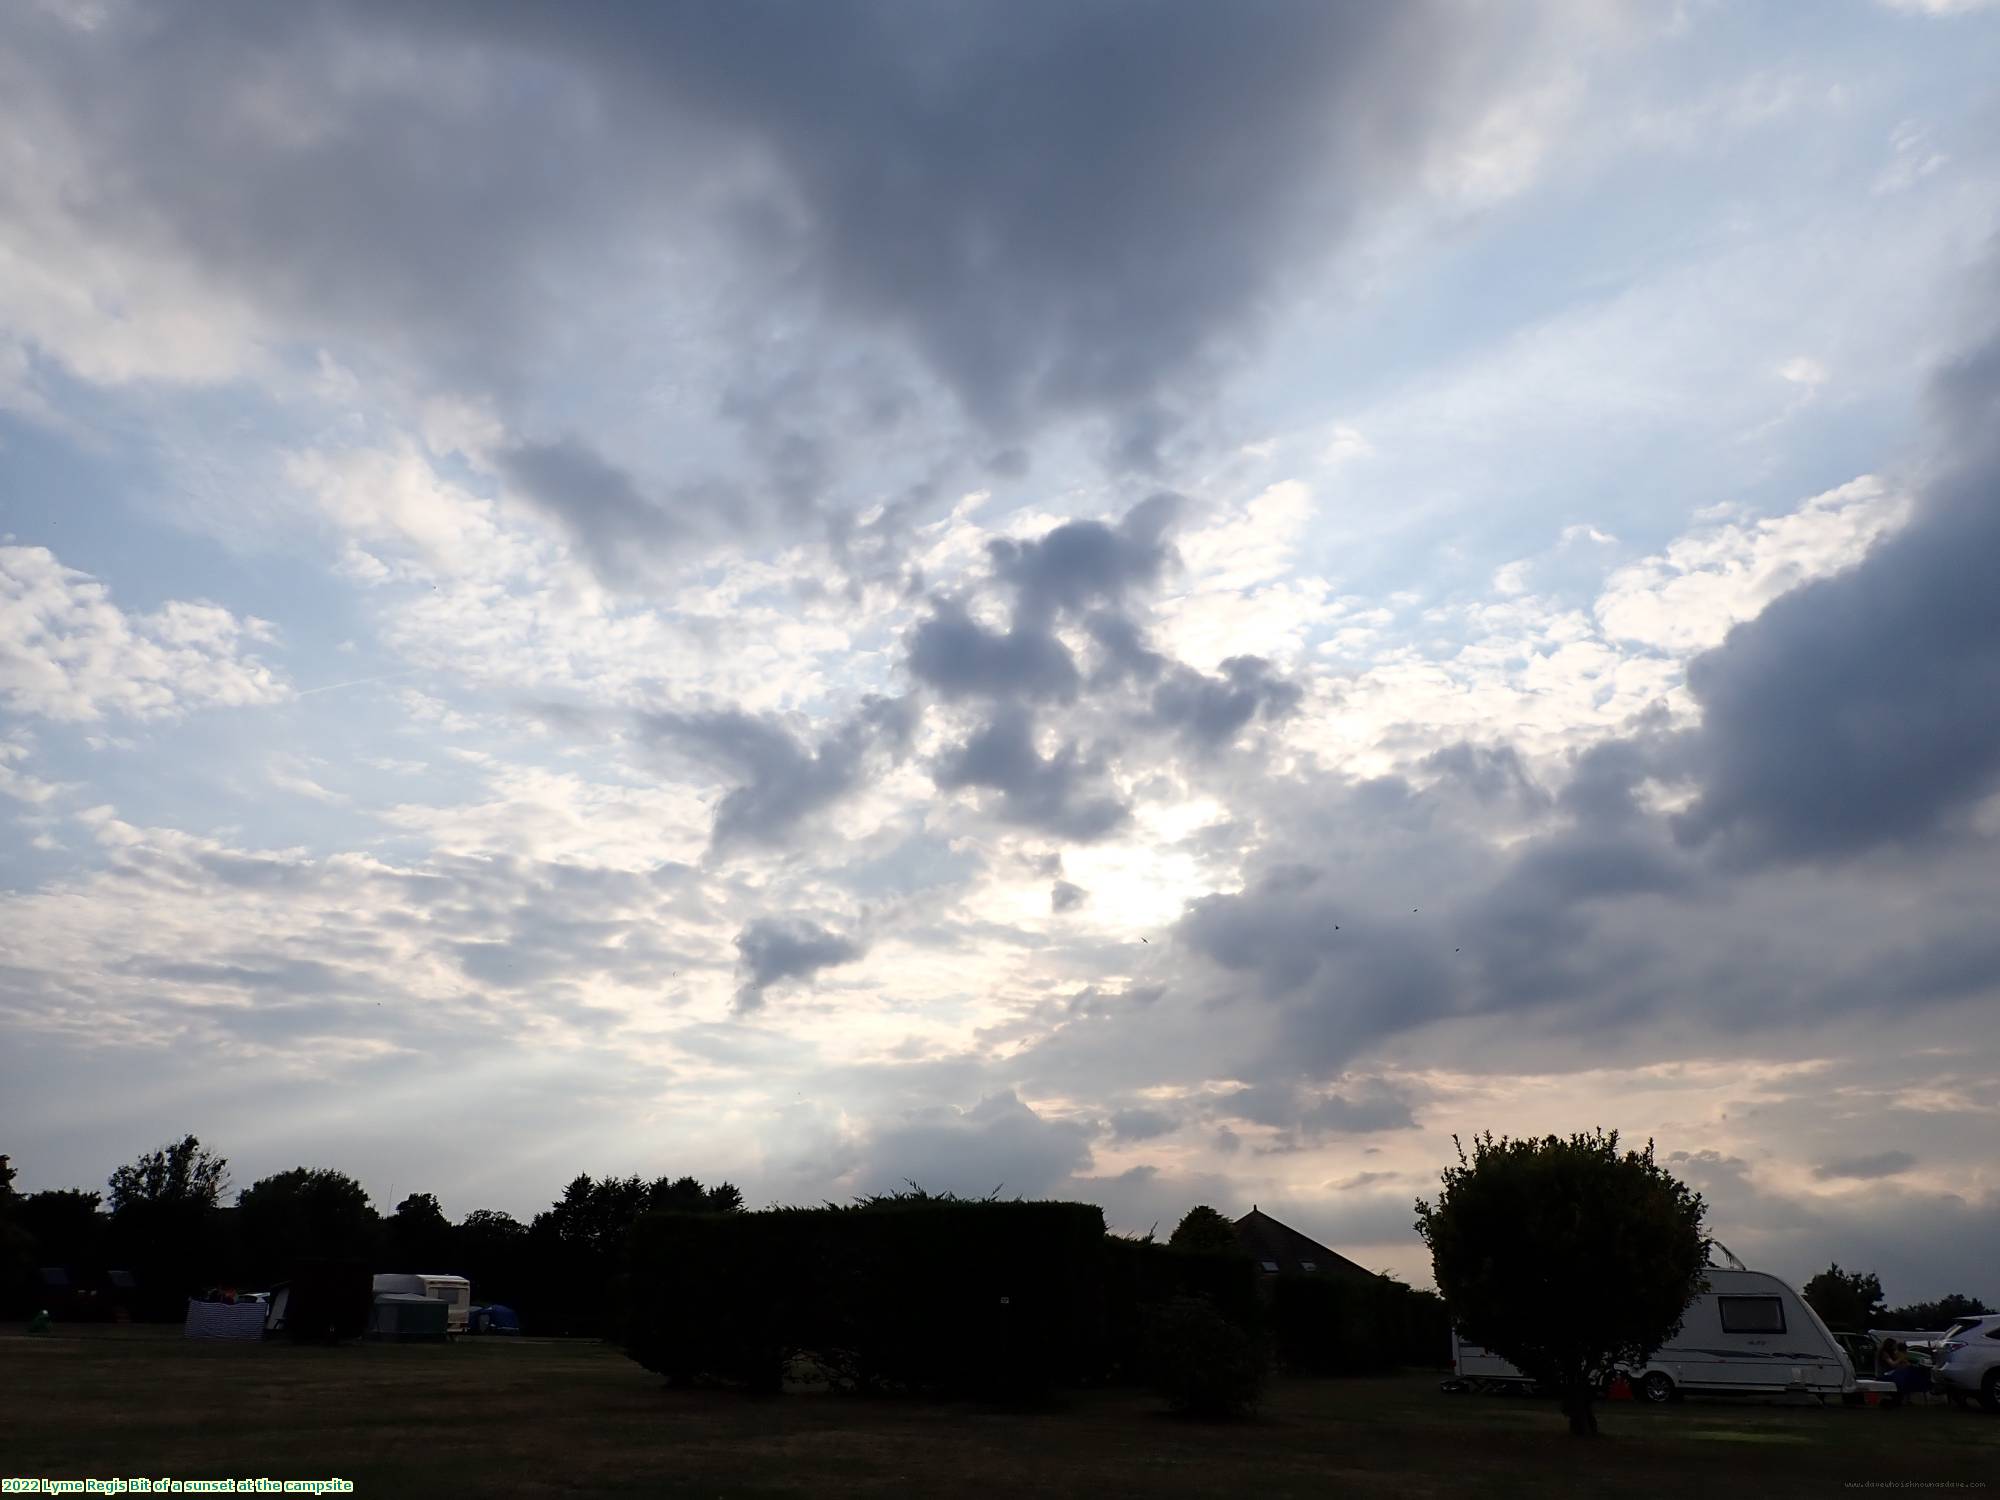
x=1745, y=1332
x=454, y=1291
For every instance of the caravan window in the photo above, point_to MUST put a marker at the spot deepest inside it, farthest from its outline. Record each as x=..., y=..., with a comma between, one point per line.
x=1752, y=1314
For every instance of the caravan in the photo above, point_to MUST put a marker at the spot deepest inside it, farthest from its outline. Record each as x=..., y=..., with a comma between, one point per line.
x=454, y=1291
x=1745, y=1332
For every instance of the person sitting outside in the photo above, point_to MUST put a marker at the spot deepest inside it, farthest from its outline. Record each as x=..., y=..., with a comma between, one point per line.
x=1909, y=1377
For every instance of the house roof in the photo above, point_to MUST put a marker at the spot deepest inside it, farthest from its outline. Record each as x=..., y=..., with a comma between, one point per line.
x=1281, y=1247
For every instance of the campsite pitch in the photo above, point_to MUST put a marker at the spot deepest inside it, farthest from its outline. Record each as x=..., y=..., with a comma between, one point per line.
x=528, y=1417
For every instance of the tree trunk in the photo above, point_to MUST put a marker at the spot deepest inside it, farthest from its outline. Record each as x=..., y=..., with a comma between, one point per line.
x=1576, y=1406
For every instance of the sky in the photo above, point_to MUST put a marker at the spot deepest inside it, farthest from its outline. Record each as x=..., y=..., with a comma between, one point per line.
x=1151, y=603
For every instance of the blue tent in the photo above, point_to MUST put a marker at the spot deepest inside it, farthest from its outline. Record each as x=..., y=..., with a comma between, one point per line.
x=492, y=1317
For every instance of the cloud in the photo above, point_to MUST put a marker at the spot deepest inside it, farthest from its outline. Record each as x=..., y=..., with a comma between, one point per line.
x=1083, y=563
x=68, y=653
x=1140, y=1123
x=773, y=949
x=788, y=781
x=1000, y=1143
x=961, y=658
x=1358, y=1107
x=1054, y=794
x=1855, y=711
x=601, y=510
x=1063, y=897
x=1083, y=215
x=1212, y=711
x=1882, y=1164
x=1717, y=577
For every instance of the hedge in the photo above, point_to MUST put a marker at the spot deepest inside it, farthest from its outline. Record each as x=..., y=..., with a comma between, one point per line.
x=991, y=1299
x=1344, y=1325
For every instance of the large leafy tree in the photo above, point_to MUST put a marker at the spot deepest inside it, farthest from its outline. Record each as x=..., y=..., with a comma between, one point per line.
x=491, y=1251
x=65, y=1225
x=578, y=1242
x=164, y=1220
x=183, y=1178
x=418, y=1237
x=1565, y=1256
x=1204, y=1229
x=308, y=1212
x=1850, y=1300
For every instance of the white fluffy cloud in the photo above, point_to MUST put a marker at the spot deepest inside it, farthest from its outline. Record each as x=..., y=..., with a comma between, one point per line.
x=68, y=653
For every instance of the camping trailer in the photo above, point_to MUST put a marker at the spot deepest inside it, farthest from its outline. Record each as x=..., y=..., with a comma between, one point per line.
x=454, y=1291
x=1745, y=1332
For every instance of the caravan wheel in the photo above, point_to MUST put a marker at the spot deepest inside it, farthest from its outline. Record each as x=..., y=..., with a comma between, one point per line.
x=1657, y=1387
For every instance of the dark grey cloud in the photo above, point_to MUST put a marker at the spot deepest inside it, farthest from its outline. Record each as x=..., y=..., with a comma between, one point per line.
x=1141, y=1123
x=603, y=511
x=1083, y=563
x=1857, y=711
x=1212, y=711
x=999, y=1143
x=953, y=653
x=1882, y=1164
x=788, y=780
x=1058, y=209
x=1493, y=773
x=1313, y=1115
x=1057, y=794
x=1063, y=207
x=1066, y=897
x=773, y=949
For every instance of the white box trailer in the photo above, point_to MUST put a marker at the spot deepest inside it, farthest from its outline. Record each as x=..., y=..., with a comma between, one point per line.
x=1746, y=1332
x=454, y=1291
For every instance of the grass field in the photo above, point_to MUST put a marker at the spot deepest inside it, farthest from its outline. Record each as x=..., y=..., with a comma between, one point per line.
x=528, y=1417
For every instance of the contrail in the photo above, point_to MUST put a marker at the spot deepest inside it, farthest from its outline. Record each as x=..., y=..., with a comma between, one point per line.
x=357, y=682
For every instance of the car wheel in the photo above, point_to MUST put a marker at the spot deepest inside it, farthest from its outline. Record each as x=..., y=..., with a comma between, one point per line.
x=1657, y=1387
x=1989, y=1390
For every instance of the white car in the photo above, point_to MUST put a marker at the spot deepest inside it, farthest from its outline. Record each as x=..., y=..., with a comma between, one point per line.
x=1968, y=1361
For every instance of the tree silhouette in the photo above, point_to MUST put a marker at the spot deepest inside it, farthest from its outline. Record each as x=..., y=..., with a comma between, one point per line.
x=1849, y=1300
x=163, y=1219
x=1565, y=1257
x=1204, y=1229
x=1935, y=1315
x=417, y=1236
x=180, y=1178
x=308, y=1212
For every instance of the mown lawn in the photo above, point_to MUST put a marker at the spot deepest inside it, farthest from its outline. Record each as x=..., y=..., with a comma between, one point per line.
x=529, y=1417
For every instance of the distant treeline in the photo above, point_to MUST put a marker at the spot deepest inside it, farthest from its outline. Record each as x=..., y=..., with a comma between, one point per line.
x=164, y=1219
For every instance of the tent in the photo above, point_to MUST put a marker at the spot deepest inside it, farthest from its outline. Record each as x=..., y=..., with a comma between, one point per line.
x=493, y=1317
x=224, y=1320
x=404, y=1317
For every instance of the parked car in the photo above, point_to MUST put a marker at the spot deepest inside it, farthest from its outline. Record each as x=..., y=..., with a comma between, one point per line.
x=1968, y=1362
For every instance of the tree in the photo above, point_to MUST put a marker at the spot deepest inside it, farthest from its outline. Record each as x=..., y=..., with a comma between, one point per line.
x=16, y=1245
x=65, y=1226
x=179, y=1179
x=1849, y=1300
x=490, y=1249
x=164, y=1220
x=577, y=1244
x=418, y=1236
x=1204, y=1230
x=307, y=1212
x=1933, y=1315
x=725, y=1198
x=1565, y=1257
